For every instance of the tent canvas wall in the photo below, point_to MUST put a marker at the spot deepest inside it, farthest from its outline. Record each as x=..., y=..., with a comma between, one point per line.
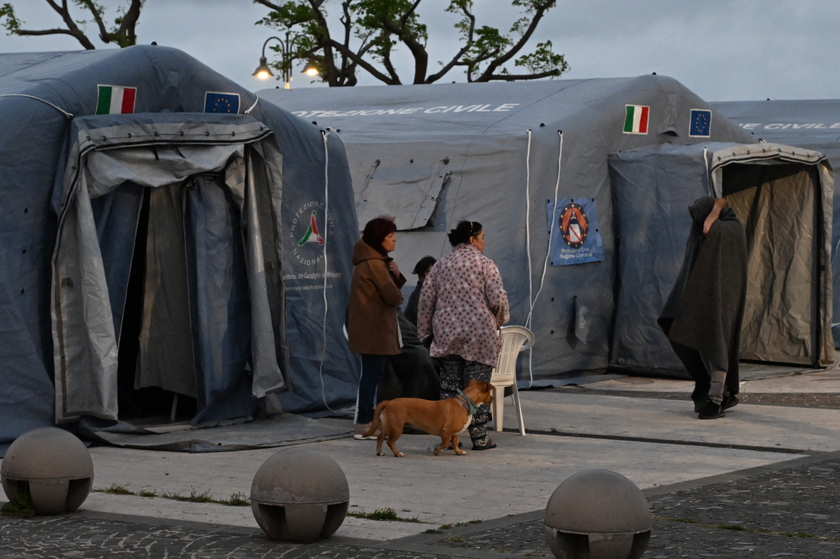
x=784, y=197
x=141, y=166
x=513, y=156
x=812, y=124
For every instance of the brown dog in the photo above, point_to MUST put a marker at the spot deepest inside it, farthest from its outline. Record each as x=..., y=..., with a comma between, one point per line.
x=446, y=418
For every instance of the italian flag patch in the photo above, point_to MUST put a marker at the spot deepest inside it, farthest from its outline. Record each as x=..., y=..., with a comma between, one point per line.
x=115, y=100
x=636, y=119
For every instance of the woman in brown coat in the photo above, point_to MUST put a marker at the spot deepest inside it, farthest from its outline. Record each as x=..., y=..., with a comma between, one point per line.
x=372, y=313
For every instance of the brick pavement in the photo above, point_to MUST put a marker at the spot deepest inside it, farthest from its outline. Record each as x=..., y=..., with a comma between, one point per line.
x=787, y=510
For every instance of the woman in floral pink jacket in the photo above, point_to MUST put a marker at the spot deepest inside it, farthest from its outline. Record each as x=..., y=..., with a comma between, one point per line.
x=462, y=305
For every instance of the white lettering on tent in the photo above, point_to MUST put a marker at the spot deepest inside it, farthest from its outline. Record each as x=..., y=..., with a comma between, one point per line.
x=454, y=109
x=790, y=125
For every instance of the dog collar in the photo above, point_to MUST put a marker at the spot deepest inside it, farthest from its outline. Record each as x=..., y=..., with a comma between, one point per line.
x=467, y=403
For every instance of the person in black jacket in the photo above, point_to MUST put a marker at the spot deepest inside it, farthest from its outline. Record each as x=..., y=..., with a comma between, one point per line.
x=703, y=314
x=420, y=270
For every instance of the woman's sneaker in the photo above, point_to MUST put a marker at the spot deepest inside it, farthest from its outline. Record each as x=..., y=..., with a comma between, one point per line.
x=360, y=430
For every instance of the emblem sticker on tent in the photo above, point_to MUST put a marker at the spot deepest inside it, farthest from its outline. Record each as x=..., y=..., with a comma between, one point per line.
x=573, y=227
x=636, y=119
x=701, y=123
x=309, y=229
x=115, y=99
x=311, y=235
x=221, y=102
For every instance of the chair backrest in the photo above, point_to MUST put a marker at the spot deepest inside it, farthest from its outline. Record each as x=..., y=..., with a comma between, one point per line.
x=514, y=340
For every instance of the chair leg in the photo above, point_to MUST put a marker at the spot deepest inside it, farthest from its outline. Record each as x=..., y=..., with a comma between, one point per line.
x=498, y=407
x=517, y=404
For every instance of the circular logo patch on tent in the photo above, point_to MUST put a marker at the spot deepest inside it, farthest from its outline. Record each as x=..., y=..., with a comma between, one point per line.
x=307, y=233
x=574, y=225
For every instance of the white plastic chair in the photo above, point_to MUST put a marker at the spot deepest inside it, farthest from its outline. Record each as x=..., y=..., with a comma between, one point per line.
x=514, y=340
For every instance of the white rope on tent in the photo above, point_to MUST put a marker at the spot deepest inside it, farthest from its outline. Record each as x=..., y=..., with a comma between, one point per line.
x=59, y=109
x=324, y=135
x=547, y=254
x=251, y=108
x=528, y=226
x=528, y=248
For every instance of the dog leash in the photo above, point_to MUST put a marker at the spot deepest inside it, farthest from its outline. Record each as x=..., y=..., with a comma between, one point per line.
x=467, y=403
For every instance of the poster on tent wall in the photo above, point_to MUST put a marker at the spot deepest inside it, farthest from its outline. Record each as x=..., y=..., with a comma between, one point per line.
x=573, y=230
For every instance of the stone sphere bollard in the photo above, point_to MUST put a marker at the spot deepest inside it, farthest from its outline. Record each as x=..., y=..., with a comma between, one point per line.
x=49, y=466
x=299, y=495
x=597, y=514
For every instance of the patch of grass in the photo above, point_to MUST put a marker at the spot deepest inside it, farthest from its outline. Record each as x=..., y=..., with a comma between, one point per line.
x=733, y=527
x=453, y=539
x=433, y=531
x=445, y=527
x=193, y=497
x=676, y=519
x=238, y=499
x=798, y=535
x=20, y=502
x=457, y=524
x=17, y=509
x=118, y=490
x=388, y=514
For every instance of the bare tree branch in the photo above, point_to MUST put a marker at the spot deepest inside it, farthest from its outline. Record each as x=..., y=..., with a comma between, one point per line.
x=539, y=12
x=124, y=35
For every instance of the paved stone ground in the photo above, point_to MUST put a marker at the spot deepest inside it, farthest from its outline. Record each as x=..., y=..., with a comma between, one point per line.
x=828, y=401
x=788, y=510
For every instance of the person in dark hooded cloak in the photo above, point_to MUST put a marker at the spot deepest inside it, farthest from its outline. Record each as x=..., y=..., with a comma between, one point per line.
x=703, y=314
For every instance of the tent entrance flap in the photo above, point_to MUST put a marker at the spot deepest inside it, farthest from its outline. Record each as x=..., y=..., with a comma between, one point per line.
x=410, y=193
x=784, y=197
x=182, y=221
x=779, y=205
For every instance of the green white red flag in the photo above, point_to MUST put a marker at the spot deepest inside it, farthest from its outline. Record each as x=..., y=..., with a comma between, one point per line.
x=636, y=119
x=115, y=100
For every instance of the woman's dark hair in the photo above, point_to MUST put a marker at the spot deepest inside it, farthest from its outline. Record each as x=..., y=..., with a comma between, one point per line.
x=375, y=232
x=463, y=232
x=424, y=265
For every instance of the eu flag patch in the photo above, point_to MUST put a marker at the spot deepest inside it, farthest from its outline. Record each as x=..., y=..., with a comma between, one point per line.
x=218, y=102
x=701, y=123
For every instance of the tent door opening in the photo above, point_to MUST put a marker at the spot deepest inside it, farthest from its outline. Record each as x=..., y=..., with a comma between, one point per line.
x=779, y=204
x=187, y=309
x=140, y=396
x=190, y=225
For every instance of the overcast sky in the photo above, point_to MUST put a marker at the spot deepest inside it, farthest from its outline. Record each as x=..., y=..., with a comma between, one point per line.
x=723, y=50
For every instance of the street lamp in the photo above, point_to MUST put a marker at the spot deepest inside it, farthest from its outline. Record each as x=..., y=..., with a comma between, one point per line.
x=287, y=57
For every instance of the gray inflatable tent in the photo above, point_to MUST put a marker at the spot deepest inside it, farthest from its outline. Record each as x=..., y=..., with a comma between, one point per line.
x=163, y=228
x=516, y=157
x=812, y=124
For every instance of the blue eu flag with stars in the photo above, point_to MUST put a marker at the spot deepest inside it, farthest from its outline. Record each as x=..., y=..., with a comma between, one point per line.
x=216, y=102
x=701, y=123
